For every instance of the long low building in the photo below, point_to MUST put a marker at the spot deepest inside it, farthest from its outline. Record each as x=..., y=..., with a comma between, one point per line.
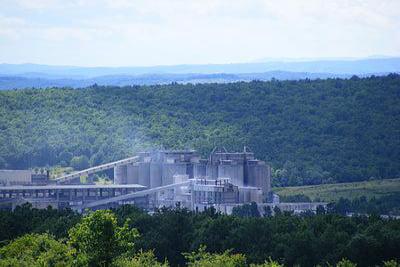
x=23, y=177
x=58, y=196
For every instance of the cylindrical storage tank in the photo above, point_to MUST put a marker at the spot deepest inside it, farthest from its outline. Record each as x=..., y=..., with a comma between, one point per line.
x=155, y=174
x=144, y=174
x=199, y=170
x=233, y=171
x=257, y=175
x=223, y=171
x=268, y=179
x=236, y=172
x=171, y=169
x=120, y=174
x=132, y=173
x=212, y=171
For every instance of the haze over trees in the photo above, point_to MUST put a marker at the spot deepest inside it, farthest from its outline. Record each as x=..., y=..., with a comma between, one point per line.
x=311, y=132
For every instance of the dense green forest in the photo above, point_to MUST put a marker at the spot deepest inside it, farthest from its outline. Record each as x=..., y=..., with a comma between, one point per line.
x=310, y=131
x=128, y=236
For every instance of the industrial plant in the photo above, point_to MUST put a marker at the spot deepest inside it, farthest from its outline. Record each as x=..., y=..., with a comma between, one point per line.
x=152, y=180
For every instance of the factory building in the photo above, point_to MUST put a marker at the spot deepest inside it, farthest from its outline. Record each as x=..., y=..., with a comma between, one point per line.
x=224, y=173
x=153, y=179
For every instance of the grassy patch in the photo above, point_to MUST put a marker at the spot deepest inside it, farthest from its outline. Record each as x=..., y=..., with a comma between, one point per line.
x=332, y=192
x=58, y=171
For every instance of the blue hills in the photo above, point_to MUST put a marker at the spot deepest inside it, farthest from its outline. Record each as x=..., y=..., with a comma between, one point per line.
x=16, y=76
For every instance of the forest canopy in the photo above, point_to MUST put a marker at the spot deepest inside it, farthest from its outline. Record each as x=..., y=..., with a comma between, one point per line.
x=128, y=236
x=310, y=131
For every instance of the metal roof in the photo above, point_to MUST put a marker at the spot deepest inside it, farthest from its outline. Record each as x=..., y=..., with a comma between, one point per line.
x=71, y=186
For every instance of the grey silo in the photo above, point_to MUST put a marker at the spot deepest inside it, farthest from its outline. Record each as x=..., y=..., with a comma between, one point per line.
x=132, y=173
x=258, y=175
x=144, y=173
x=155, y=174
x=199, y=169
x=171, y=169
x=212, y=171
x=120, y=175
x=233, y=170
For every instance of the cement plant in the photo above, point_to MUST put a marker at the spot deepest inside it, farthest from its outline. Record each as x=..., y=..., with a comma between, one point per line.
x=151, y=180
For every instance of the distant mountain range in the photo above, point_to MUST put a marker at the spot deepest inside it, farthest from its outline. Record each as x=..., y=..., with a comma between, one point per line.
x=16, y=76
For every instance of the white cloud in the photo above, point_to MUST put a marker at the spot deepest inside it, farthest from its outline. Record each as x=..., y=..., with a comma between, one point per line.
x=40, y=4
x=178, y=31
x=52, y=4
x=9, y=27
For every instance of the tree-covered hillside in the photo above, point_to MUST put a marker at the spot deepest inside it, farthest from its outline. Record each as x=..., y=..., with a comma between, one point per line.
x=309, y=131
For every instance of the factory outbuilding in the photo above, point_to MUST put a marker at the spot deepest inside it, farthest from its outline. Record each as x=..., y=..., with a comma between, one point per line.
x=23, y=177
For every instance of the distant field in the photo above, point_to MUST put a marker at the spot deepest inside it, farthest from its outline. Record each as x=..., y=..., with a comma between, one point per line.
x=332, y=192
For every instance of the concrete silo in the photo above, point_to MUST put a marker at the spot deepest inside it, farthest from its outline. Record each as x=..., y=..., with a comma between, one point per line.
x=155, y=174
x=212, y=171
x=144, y=173
x=200, y=169
x=120, y=175
x=259, y=175
x=233, y=170
x=132, y=173
x=171, y=169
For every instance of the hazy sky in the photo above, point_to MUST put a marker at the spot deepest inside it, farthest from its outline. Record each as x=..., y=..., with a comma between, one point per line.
x=123, y=32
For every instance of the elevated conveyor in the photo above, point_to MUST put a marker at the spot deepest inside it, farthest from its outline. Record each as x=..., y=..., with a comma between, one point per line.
x=74, y=175
x=132, y=195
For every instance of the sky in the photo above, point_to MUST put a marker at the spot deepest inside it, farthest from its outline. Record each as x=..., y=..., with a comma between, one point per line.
x=170, y=32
